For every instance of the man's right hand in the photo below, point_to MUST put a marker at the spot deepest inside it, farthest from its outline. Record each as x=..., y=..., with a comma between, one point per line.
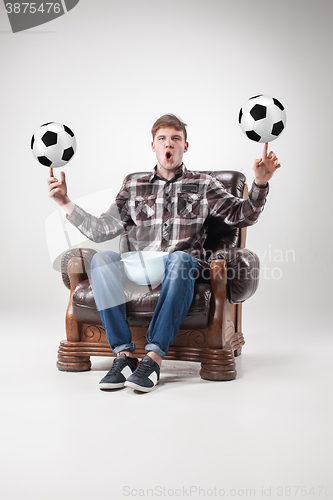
x=57, y=190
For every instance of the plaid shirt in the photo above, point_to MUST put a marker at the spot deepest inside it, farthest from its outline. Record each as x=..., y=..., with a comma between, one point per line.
x=170, y=215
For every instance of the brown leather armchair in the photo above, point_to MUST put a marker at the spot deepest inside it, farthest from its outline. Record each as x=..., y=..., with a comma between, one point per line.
x=212, y=331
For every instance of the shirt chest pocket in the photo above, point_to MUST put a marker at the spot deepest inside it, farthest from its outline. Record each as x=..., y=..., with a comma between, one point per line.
x=189, y=205
x=145, y=207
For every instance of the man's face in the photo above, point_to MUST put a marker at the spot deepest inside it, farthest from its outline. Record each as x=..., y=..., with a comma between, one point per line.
x=169, y=146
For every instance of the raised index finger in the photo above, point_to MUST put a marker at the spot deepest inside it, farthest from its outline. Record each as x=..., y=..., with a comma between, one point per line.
x=51, y=172
x=264, y=152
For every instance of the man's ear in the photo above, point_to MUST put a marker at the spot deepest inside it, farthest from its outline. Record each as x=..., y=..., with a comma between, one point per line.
x=186, y=147
x=153, y=146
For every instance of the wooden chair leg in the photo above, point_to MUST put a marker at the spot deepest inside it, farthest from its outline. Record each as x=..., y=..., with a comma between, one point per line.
x=69, y=363
x=219, y=365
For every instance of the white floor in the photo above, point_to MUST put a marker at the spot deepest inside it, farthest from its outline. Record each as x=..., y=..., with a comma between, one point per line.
x=266, y=434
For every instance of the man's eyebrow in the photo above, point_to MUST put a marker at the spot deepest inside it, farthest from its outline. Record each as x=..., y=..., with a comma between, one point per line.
x=174, y=135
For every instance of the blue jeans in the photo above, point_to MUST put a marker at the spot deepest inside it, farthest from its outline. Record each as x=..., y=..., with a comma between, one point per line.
x=173, y=304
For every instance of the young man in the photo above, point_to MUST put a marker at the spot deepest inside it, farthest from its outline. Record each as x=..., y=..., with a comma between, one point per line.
x=164, y=211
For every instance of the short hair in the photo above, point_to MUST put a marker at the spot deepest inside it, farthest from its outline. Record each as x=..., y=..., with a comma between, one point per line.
x=169, y=120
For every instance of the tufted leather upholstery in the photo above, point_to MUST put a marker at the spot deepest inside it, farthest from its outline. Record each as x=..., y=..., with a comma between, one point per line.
x=140, y=306
x=86, y=254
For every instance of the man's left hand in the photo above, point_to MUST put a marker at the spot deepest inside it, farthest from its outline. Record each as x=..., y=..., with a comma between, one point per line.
x=265, y=167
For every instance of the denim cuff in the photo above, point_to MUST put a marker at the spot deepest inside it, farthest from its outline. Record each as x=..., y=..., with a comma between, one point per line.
x=124, y=347
x=155, y=348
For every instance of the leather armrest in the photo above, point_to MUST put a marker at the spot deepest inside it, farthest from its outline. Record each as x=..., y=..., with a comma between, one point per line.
x=242, y=272
x=86, y=255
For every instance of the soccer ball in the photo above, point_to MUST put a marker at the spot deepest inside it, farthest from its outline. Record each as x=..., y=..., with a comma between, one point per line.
x=262, y=118
x=53, y=144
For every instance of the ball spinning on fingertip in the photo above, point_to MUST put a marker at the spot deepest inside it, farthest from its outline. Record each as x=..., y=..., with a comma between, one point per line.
x=262, y=118
x=53, y=144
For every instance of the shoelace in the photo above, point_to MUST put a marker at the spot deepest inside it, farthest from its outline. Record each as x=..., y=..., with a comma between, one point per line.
x=117, y=365
x=142, y=368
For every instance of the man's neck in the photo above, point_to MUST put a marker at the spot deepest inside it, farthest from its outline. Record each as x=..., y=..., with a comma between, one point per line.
x=166, y=173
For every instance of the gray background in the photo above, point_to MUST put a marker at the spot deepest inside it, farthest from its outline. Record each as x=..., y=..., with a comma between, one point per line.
x=108, y=69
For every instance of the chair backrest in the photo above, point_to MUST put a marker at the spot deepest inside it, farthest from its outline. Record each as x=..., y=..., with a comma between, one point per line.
x=219, y=234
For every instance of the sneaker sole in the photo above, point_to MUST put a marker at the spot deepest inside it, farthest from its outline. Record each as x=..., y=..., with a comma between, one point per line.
x=138, y=387
x=107, y=387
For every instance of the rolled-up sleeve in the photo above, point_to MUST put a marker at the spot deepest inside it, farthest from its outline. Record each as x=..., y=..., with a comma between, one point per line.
x=237, y=212
x=108, y=225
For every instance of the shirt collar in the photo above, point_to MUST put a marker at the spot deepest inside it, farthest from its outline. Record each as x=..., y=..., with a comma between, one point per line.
x=181, y=171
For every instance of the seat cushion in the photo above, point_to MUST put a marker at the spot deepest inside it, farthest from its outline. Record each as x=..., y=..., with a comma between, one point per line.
x=140, y=306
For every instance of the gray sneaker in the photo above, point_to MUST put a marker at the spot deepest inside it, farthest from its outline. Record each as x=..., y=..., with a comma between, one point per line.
x=122, y=367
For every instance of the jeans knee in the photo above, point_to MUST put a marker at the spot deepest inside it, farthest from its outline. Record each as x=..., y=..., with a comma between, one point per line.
x=181, y=259
x=181, y=265
x=178, y=258
x=106, y=258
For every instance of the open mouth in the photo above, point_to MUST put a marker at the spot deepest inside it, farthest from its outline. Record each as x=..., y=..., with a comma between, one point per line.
x=168, y=155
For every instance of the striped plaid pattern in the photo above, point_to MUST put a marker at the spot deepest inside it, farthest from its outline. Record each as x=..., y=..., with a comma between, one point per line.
x=170, y=215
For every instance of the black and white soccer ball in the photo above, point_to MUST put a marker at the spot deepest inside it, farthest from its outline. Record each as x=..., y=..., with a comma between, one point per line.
x=262, y=118
x=53, y=144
